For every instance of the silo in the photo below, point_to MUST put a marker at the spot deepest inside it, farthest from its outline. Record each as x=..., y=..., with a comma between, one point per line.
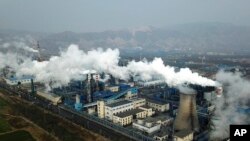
x=187, y=118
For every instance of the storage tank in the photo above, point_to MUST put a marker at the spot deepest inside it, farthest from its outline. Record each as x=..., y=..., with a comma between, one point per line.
x=140, y=121
x=149, y=124
x=187, y=118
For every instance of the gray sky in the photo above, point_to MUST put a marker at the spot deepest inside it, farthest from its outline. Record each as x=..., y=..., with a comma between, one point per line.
x=99, y=15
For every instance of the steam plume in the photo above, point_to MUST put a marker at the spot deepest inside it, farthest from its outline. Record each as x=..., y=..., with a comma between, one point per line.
x=236, y=95
x=72, y=63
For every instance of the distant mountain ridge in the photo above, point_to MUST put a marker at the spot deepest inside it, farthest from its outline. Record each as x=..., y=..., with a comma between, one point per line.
x=195, y=38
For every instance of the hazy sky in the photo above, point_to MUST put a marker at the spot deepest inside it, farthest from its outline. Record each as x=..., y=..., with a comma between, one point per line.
x=99, y=15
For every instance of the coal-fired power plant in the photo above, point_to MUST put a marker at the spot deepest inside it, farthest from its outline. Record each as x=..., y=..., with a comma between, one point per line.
x=187, y=118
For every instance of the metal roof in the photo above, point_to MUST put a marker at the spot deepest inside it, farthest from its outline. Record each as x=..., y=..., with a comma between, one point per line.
x=119, y=103
x=24, y=77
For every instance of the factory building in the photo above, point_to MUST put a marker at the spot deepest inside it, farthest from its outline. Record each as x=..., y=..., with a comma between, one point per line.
x=184, y=135
x=112, y=88
x=130, y=94
x=108, y=110
x=147, y=126
x=101, y=109
x=148, y=109
x=161, y=136
x=55, y=99
x=117, y=107
x=126, y=118
x=138, y=102
x=164, y=120
x=158, y=105
x=19, y=80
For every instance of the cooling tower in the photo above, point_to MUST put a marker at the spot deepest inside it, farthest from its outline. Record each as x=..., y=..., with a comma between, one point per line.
x=187, y=118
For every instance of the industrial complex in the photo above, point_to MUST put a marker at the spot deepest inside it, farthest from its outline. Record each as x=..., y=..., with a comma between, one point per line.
x=138, y=110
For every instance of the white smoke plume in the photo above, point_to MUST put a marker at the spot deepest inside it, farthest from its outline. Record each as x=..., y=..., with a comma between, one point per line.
x=12, y=60
x=18, y=46
x=70, y=65
x=236, y=95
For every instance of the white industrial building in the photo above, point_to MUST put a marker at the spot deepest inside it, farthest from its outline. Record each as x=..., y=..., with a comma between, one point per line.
x=147, y=126
x=16, y=80
x=108, y=110
x=127, y=117
x=158, y=105
x=117, y=107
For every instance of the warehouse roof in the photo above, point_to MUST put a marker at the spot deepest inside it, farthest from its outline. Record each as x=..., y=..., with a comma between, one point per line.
x=128, y=113
x=119, y=103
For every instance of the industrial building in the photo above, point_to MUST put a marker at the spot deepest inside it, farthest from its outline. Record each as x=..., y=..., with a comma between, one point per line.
x=121, y=103
x=148, y=126
x=184, y=135
x=19, y=80
x=158, y=105
x=161, y=136
x=127, y=117
x=112, y=88
x=51, y=97
x=164, y=120
x=148, y=109
x=117, y=107
x=138, y=102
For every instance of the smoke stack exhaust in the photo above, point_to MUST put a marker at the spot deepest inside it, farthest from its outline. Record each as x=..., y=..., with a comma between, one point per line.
x=187, y=118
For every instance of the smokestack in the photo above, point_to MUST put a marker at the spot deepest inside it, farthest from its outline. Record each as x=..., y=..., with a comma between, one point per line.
x=92, y=87
x=97, y=83
x=187, y=118
x=32, y=87
x=88, y=89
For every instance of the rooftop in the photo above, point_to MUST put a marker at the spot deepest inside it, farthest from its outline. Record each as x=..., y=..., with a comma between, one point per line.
x=183, y=133
x=119, y=103
x=146, y=107
x=128, y=113
x=156, y=101
x=14, y=78
x=162, y=133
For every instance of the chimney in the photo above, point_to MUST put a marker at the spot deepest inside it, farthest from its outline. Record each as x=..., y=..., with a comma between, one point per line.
x=187, y=118
x=88, y=89
x=32, y=87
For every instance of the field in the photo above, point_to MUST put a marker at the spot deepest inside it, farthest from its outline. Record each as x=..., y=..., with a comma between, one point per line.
x=19, y=135
x=4, y=125
x=39, y=123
